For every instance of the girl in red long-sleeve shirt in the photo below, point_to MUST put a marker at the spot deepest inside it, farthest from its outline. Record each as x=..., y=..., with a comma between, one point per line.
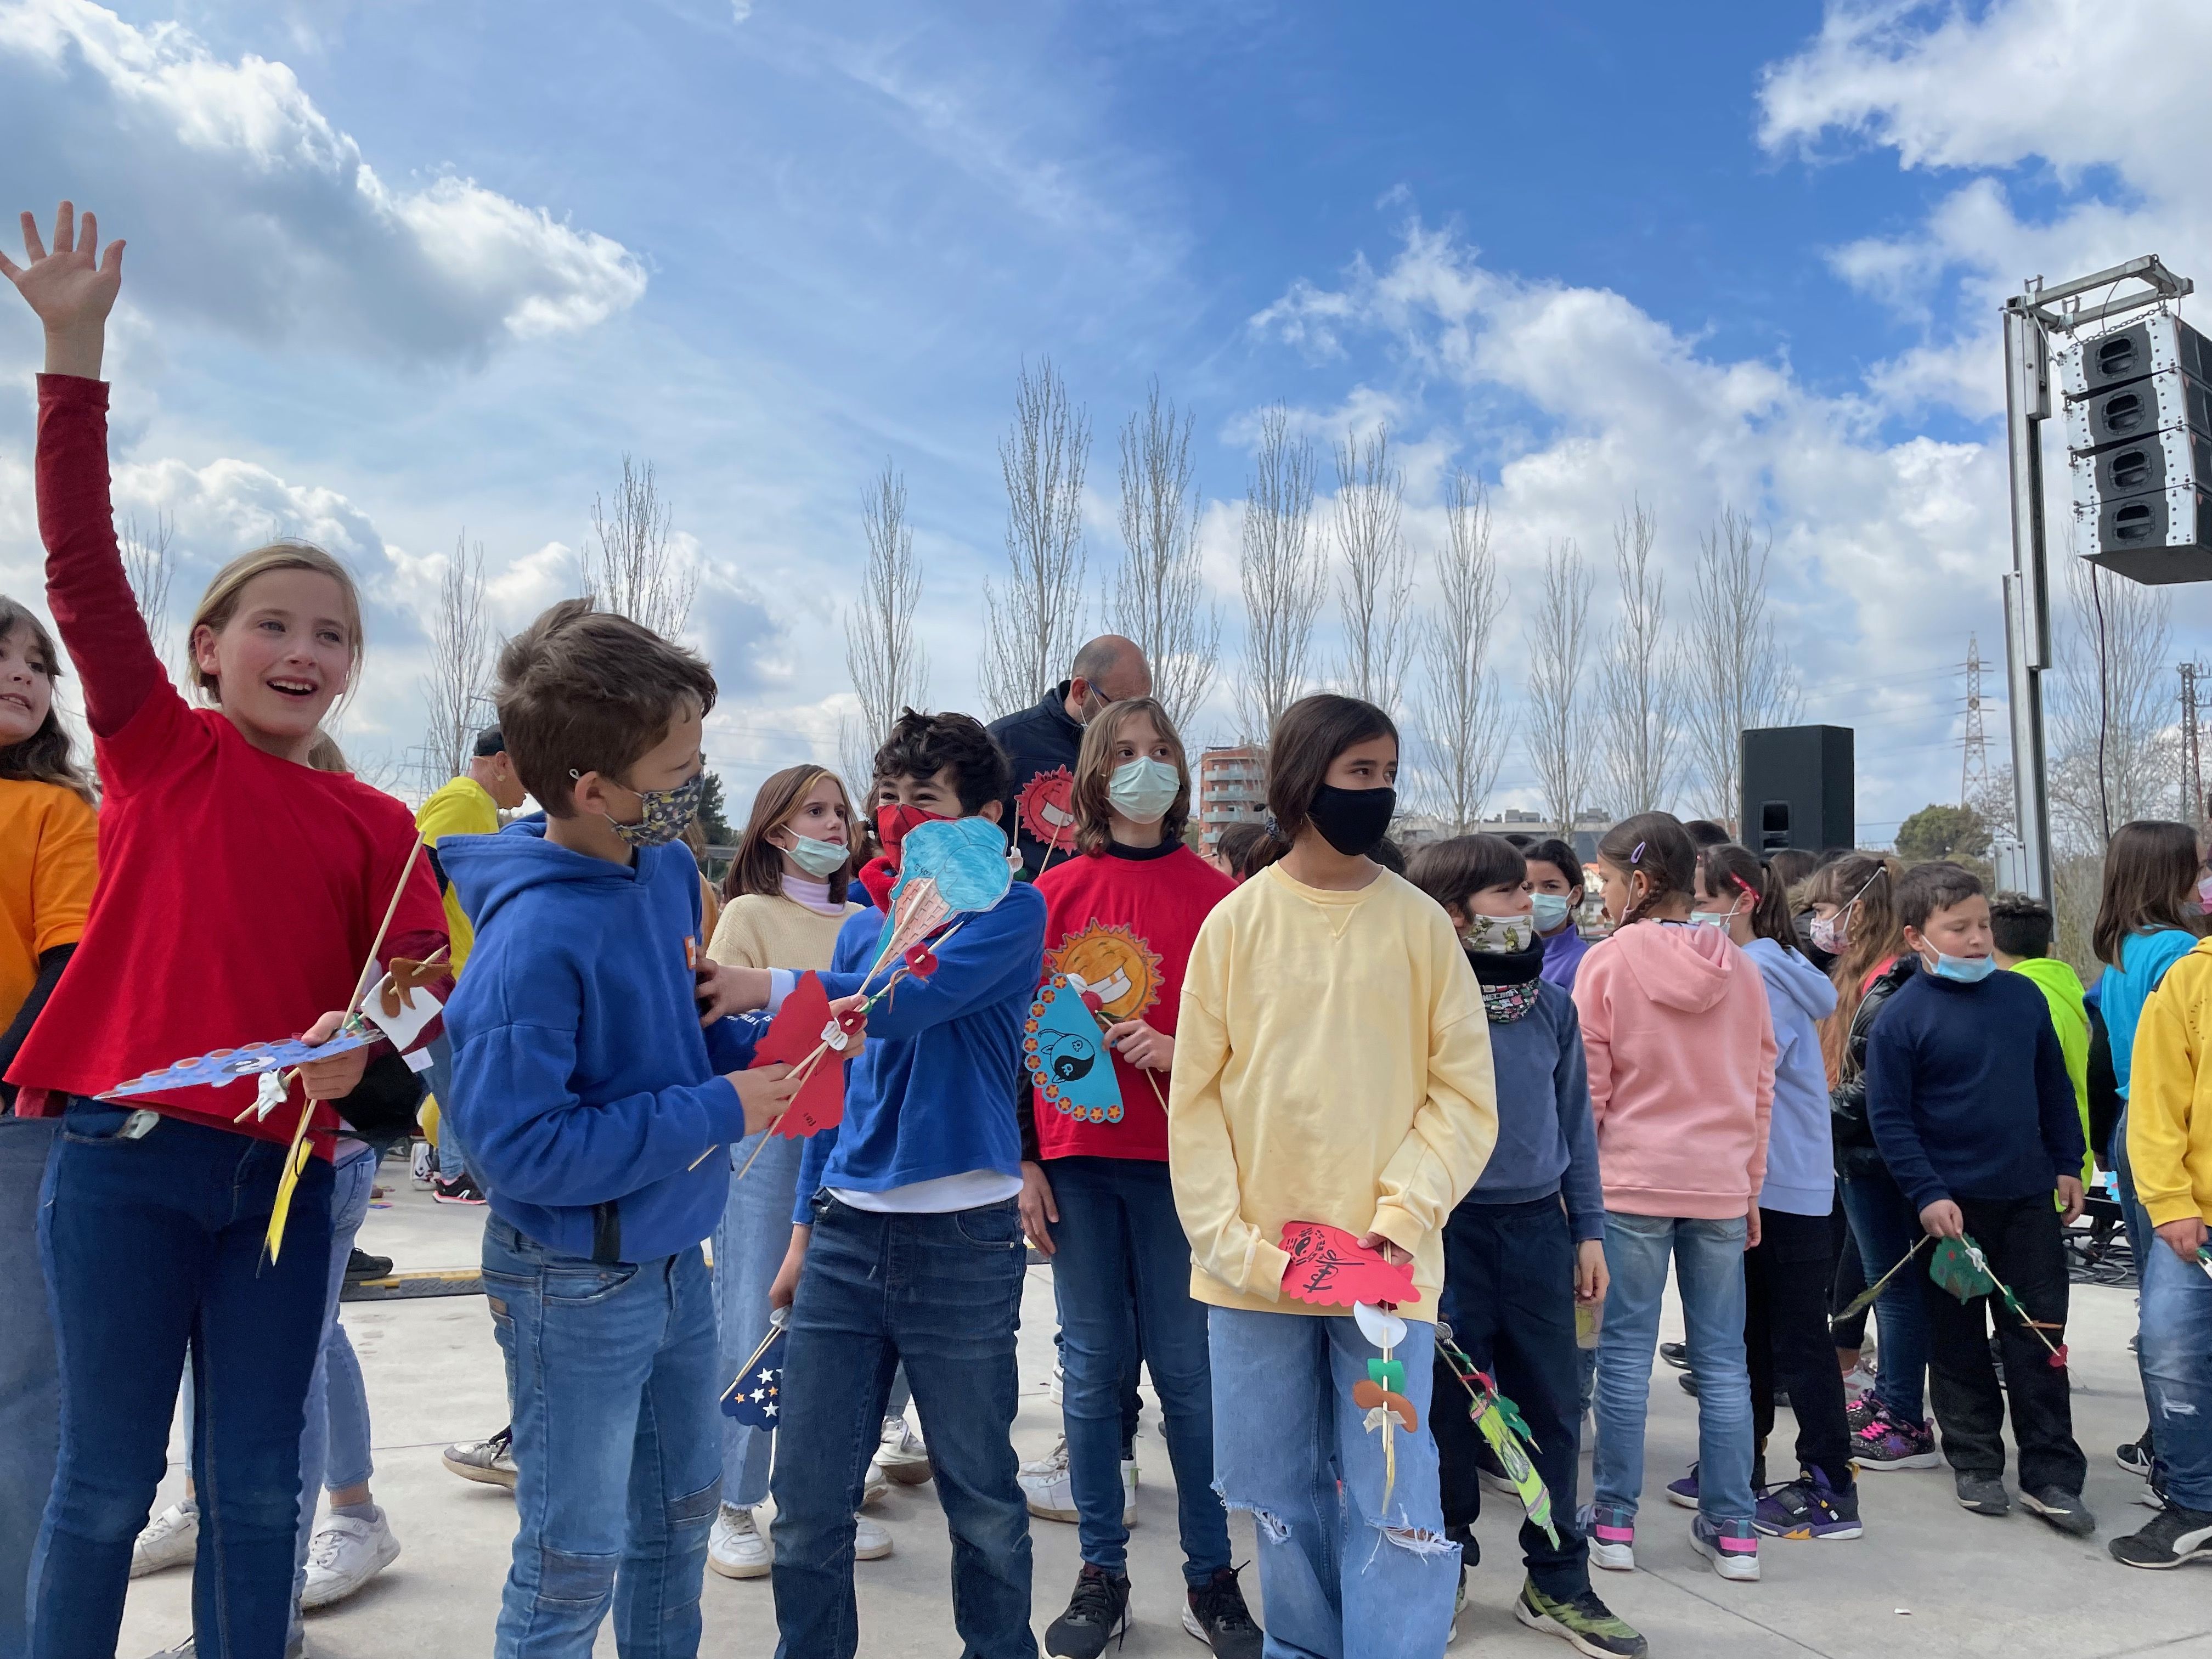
x=240, y=891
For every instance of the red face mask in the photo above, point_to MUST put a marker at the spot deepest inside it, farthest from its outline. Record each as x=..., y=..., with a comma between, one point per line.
x=893, y=821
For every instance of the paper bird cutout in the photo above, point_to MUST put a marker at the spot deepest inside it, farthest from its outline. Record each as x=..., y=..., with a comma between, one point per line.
x=1329, y=1269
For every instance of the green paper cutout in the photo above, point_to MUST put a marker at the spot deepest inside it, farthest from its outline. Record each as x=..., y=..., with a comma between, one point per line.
x=1389, y=1374
x=1957, y=1267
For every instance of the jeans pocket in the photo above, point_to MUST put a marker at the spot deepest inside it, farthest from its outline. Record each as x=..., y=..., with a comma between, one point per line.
x=580, y=1287
x=97, y=1126
x=502, y=1292
x=991, y=1227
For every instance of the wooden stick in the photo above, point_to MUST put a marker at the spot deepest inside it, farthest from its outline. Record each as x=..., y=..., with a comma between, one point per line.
x=369, y=967
x=1106, y=1025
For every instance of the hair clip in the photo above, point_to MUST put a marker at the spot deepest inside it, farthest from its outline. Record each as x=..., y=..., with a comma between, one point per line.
x=1273, y=830
x=1741, y=883
x=1638, y=854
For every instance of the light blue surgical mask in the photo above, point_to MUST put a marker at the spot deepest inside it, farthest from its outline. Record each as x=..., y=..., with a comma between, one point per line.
x=1967, y=970
x=1719, y=918
x=819, y=858
x=1552, y=910
x=1143, y=789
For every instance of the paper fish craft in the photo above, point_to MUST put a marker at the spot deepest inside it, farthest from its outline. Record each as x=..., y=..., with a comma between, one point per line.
x=800, y=1026
x=754, y=1399
x=223, y=1066
x=1066, y=1054
x=1328, y=1268
x=1047, y=807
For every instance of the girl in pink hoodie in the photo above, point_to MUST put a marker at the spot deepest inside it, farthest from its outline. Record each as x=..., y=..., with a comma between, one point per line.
x=1681, y=1078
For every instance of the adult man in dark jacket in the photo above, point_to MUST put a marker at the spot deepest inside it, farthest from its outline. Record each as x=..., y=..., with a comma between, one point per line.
x=1042, y=742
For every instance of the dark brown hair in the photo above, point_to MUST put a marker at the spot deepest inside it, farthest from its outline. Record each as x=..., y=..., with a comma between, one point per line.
x=1703, y=833
x=1239, y=846
x=1655, y=844
x=2150, y=881
x=922, y=745
x=1560, y=856
x=44, y=756
x=1308, y=738
x=1733, y=871
x=2022, y=926
x=582, y=689
x=1935, y=886
x=758, y=866
x=1452, y=870
x=1094, y=770
x=1791, y=865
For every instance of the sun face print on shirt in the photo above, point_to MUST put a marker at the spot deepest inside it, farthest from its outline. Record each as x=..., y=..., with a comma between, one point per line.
x=1122, y=969
x=1046, y=806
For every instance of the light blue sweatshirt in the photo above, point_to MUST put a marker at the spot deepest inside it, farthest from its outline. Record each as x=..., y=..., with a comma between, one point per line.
x=1801, y=1156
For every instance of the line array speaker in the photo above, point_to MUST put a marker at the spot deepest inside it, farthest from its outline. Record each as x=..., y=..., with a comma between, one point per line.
x=2139, y=438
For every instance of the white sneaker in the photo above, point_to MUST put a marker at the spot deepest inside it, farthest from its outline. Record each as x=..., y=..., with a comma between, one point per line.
x=874, y=1488
x=1128, y=1492
x=171, y=1538
x=901, y=1455
x=490, y=1462
x=870, y=1541
x=1046, y=1486
x=345, y=1555
x=1858, y=1382
x=418, y=1165
x=738, y=1548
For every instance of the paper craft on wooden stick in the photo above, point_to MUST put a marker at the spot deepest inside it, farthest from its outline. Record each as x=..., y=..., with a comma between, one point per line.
x=1501, y=1424
x=755, y=1397
x=223, y=1066
x=1047, y=807
x=1067, y=1055
x=1959, y=1267
x=1330, y=1268
x=965, y=859
x=801, y=1026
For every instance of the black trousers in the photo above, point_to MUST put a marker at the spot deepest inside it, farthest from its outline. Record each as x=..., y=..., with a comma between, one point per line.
x=1510, y=1299
x=1787, y=1344
x=1849, y=1280
x=2020, y=1239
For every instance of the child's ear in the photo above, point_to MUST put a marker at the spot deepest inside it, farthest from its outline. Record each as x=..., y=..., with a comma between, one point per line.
x=1457, y=915
x=992, y=809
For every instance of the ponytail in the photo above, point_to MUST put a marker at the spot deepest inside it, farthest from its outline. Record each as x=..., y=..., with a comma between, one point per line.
x=1734, y=870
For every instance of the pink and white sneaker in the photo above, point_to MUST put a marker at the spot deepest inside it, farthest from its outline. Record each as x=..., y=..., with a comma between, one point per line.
x=1612, y=1535
x=1731, y=1546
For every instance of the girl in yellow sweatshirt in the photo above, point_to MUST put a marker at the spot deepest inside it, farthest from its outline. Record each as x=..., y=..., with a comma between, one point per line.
x=1333, y=1066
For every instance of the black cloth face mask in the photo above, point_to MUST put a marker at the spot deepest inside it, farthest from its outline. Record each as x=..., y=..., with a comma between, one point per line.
x=1353, y=820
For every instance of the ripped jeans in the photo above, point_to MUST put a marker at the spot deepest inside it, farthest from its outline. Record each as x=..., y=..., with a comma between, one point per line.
x=617, y=1457
x=2177, y=1368
x=1342, y=1575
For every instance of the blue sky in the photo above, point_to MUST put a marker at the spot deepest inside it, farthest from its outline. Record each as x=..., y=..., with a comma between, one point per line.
x=403, y=268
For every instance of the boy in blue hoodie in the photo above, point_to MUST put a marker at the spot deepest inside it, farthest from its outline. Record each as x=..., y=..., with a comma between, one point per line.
x=592, y=1065
x=1527, y=1242
x=907, y=1240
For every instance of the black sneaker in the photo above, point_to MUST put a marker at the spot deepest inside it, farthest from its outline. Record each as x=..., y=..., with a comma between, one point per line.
x=1097, y=1613
x=1676, y=1354
x=2135, y=1456
x=361, y=1265
x=2168, y=1539
x=1984, y=1494
x=1215, y=1614
x=1689, y=1381
x=2063, y=1509
x=461, y=1189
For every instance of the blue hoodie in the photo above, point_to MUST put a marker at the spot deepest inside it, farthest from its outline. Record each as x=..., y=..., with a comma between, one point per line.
x=1800, y=1152
x=938, y=1089
x=1546, y=1141
x=583, y=1084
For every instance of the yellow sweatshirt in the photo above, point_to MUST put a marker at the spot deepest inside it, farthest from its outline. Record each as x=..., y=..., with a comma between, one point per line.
x=1332, y=1064
x=2170, y=1094
x=462, y=807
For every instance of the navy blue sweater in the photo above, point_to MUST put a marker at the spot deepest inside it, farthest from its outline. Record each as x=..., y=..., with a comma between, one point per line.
x=1546, y=1142
x=1967, y=1093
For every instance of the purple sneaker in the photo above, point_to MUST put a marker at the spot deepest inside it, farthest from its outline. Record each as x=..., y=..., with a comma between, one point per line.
x=1612, y=1535
x=1808, y=1507
x=1684, y=1491
x=1886, y=1444
x=1731, y=1546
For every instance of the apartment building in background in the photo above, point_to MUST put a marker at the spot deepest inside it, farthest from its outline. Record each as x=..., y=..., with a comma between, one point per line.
x=1232, y=789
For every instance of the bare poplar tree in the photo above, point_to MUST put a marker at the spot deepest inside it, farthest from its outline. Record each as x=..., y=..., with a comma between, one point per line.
x=1377, y=588
x=634, y=571
x=1735, y=675
x=1035, y=618
x=1282, y=573
x=460, y=665
x=2110, y=725
x=1461, y=715
x=889, y=666
x=1160, y=595
x=1558, y=729
x=1636, y=681
x=148, y=564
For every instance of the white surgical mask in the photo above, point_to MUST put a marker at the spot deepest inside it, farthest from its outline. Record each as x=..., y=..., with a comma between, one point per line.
x=819, y=858
x=1143, y=789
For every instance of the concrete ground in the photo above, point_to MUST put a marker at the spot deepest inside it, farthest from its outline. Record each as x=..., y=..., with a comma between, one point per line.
x=1927, y=1578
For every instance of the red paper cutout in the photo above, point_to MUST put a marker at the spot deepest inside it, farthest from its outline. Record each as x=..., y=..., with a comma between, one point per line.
x=791, y=1035
x=1046, y=806
x=1328, y=1268
x=921, y=961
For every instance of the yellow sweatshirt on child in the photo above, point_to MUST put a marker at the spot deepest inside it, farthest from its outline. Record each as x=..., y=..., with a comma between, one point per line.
x=1332, y=1064
x=2170, y=1094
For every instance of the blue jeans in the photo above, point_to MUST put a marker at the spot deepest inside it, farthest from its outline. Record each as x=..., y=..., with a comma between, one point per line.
x=749, y=1243
x=943, y=1293
x=329, y=1448
x=150, y=1245
x=611, y=1370
x=30, y=1386
x=1887, y=1225
x=1343, y=1573
x=2144, y=1241
x=451, y=1160
x=2177, y=1366
x=1708, y=1258
x=1118, y=1223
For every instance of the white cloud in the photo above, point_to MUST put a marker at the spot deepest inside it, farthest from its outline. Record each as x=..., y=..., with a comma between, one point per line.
x=254, y=211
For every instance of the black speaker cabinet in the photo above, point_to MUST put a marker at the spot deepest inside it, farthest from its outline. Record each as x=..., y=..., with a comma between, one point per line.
x=1798, y=788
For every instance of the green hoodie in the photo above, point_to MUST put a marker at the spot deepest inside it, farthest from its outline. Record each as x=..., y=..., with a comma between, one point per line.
x=2062, y=988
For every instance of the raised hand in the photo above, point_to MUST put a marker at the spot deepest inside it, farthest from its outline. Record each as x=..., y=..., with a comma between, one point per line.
x=71, y=289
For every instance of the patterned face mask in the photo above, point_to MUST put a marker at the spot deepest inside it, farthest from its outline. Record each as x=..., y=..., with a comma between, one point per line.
x=666, y=811
x=1501, y=936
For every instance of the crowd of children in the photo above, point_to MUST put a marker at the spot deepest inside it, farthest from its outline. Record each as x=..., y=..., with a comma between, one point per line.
x=1760, y=1062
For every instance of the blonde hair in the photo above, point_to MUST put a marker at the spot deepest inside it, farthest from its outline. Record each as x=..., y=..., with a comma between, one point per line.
x=220, y=603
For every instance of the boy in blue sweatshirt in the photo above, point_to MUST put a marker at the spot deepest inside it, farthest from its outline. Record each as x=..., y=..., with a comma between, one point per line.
x=1969, y=1104
x=907, y=1240
x=1527, y=1242
x=592, y=1064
